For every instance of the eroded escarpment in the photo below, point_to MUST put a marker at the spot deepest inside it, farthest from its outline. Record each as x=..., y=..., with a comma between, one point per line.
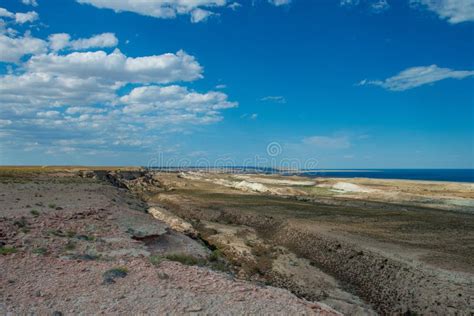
x=260, y=260
x=392, y=285
x=256, y=257
x=388, y=283
x=387, y=264
x=282, y=240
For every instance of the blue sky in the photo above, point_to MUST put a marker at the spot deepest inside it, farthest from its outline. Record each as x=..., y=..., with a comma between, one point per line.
x=343, y=83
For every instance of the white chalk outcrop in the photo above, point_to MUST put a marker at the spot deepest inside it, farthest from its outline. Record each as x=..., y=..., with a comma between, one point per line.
x=176, y=223
x=275, y=181
x=251, y=186
x=350, y=187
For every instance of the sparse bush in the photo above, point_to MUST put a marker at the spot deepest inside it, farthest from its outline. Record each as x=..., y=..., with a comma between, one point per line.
x=70, y=245
x=215, y=255
x=5, y=250
x=112, y=274
x=186, y=259
x=56, y=232
x=25, y=230
x=21, y=223
x=220, y=266
x=86, y=257
x=35, y=213
x=156, y=259
x=217, y=261
x=40, y=251
x=52, y=205
x=85, y=237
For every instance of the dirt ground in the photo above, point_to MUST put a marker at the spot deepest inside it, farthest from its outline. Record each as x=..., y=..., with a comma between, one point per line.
x=74, y=245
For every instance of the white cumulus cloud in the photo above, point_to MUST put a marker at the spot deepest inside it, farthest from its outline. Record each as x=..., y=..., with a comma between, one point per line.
x=13, y=48
x=19, y=17
x=200, y=15
x=31, y=91
x=418, y=76
x=234, y=5
x=33, y=3
x=161, y=8
x=62, y=41
x=279, y=2
x=454, y=11
x=380, y=6
x=157, y=98
x=6, y=14
x=66, y=102
x=26, y=17
x=116, y=66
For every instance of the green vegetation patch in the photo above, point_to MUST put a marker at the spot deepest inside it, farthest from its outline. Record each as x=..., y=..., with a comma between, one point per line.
x=215, y=255
x=186, y=259
x=70, y=245
x=156, y=259
x=6, y=250
x=56, y=232
x=40, y=251
x=112, y=274
x=85, y=237
x=215, y=261
x=21, y=223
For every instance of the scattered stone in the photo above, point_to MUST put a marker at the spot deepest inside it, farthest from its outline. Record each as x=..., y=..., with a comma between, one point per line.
x=163, y=276
x=112, y=274
x=195, y=308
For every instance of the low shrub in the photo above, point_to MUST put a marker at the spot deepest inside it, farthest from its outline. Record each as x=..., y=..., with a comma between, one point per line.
x=40, y=251
x=112, y=274
x=186, y=259
x=156, y=259
x=5, y=250
x=70, y=245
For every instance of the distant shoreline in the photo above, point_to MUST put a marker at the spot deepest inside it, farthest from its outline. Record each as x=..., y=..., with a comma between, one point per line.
x=448, y=175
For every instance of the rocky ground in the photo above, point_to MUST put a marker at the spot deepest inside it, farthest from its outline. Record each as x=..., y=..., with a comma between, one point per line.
x=83, y=243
